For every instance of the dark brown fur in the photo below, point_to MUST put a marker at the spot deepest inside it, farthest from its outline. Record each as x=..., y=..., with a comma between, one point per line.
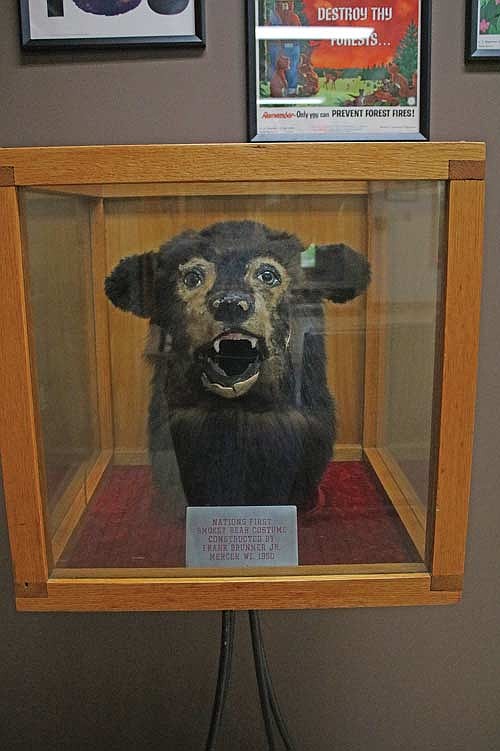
x=271, y=444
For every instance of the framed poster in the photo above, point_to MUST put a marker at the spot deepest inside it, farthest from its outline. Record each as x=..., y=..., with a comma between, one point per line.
x=482, y=30
x=327, y=71
x=99, y=23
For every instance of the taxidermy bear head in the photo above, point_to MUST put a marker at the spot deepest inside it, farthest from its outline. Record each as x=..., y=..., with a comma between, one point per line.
x=224, y=296
x=227, y=301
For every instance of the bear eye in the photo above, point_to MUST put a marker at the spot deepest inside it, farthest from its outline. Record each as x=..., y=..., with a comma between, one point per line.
x=269, y=276
x=193, y=278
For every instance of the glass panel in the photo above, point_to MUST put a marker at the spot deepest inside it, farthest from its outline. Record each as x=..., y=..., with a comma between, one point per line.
x=58, y=245
x=246, y=359
x=408, y=220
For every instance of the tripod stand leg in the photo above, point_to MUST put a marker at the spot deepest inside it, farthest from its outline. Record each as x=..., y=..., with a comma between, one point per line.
x=268, y=700
x=225, y=662
x=267, y=682
x=260, y=672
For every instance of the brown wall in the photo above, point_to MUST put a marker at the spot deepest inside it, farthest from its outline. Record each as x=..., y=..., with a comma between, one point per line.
x=372, y=680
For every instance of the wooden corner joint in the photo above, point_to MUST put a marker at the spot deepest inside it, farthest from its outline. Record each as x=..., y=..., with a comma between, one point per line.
x=447, y=583
x=467, y=169
x=7, y=177
x=31, y=589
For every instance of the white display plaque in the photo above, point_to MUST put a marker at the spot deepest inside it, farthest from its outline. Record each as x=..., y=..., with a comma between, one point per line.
x=241, y=536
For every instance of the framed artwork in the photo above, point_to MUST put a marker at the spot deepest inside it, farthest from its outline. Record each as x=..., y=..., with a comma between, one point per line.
x=356, y=72
x=103, y=23
x=482, y=30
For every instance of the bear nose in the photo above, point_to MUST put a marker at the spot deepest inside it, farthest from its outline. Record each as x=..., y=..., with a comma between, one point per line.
x=232, y=306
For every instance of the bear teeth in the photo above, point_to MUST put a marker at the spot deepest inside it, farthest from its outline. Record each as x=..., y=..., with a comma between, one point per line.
x=235, y=336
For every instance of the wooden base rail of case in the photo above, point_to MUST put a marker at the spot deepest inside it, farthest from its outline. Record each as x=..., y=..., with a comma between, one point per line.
x=231, y=593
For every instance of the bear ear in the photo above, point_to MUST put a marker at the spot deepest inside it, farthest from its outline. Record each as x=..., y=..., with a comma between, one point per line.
x=339, y=273
x=130, y=286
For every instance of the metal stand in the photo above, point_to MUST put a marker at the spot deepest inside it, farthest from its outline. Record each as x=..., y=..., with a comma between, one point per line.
x=268, y=701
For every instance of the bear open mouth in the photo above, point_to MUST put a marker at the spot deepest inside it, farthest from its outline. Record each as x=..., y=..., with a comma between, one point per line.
x=231, y=364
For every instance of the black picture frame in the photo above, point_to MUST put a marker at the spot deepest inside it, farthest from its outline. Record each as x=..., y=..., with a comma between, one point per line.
x=423, y=133
x=473, y=51
x=194, y=39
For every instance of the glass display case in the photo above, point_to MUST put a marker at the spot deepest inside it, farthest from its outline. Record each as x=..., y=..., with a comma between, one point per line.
x=214, y=353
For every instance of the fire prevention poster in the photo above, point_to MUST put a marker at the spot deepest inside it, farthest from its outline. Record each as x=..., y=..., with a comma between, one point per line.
x=338, y=70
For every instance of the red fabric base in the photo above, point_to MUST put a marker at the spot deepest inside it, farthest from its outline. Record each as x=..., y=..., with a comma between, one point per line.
x=353, y=522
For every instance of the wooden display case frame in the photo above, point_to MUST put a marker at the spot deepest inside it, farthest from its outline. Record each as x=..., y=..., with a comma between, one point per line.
x=110, y=171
